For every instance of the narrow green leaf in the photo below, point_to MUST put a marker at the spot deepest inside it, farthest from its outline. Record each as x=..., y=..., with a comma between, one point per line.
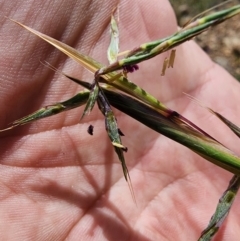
x=114, y=135
x=222, y=209
x=151, y=49
x=76, y=101
x=228, y=196
x=206, y=147
x=112, y=128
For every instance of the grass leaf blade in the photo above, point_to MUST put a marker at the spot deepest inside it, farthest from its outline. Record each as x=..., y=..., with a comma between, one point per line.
x=89, y=63
x=114, y=135
x=206, y=147
x=76, y=101
x=222, y=209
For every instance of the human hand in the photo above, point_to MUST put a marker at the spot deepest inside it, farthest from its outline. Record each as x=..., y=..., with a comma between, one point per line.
x=58, y=182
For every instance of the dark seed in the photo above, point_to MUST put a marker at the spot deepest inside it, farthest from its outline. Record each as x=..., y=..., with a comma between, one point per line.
x=90, y=130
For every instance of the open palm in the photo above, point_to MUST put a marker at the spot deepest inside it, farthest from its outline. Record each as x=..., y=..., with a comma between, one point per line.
x=57, y=182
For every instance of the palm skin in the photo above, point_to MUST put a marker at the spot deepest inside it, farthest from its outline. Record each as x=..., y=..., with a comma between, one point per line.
x=57, y=181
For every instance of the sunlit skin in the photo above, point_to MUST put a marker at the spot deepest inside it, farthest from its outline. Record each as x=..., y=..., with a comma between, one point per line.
x=58, y=182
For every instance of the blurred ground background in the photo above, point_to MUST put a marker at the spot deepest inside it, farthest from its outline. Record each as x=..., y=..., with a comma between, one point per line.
x=221, y=43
